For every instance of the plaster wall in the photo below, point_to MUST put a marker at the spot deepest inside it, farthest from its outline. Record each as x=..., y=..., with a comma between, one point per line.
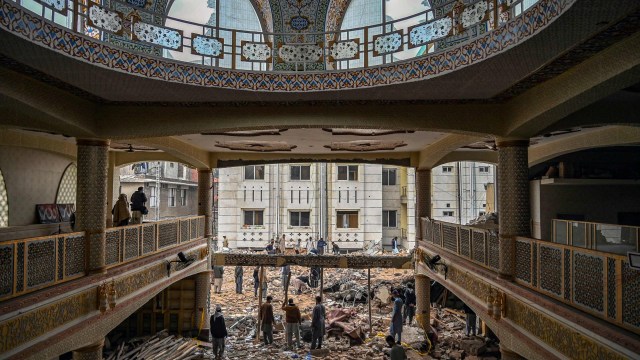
x=31, y=177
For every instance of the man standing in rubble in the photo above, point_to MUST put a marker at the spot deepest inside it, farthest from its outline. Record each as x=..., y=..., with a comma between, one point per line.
x=317, y=324
x=320, y=246
x=238, y=273
x=293, y=318
x=396, y=317
x=409, y=304
x=218, y=271
x=286, y=272
x=267, y=320
x=397, y=351
x=218, y=332
x=256, y=280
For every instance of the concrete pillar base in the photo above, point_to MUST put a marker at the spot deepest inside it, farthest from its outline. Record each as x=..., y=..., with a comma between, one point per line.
x=91, y=352
x=423, y=301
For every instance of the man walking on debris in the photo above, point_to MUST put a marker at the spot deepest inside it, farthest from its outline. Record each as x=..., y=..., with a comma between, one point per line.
x=267, y=319
x=409, y=304
x=286, y=272
x=397, y=351
x=336, y=249
x=317, y=324
x=218, y=271
x=396, y=317
x=320, y=246
x=470, y=330
x=239, y=272
x=293, y=318
x=218, y=332
x=256, y=280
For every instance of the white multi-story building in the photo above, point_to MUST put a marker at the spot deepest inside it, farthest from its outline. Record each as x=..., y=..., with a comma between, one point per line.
x=345, y=203
x=459, y=192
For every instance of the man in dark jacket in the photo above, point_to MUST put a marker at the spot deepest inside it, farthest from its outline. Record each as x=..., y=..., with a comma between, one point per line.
x=320, y=246
x=238, y=273
x=267, y=319
x=409, y=304
x=218, y=332
x=293, y=318
x=317, y=324
x=218, y=272
x=138, y=208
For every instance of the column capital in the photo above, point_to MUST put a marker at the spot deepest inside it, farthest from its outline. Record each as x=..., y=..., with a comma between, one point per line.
x=205, y=171
x=93, y=142
x=423, y=169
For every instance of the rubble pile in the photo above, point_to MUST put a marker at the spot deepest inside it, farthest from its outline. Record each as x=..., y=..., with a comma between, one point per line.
x=162, y=346
x=485, y=221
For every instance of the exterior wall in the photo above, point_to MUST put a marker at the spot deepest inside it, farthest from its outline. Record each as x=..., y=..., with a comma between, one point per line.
x=365, y=195
x=463, y=191
x=176, y=177
x=31, y=177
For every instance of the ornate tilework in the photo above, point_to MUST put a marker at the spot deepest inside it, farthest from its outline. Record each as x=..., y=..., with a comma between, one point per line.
x=184, y=231
x=4, y=203
x=387, y=43
x=67, y=187
x=588, y=281
x=193, y=224
x=344, y=50
x=437, y=236
x=550, y=265
x=630, y=295
x=534, y=266
x=567, y=274
x=495, y=253
x=131, y=242
x=168, y=233
x=425, y=33
x=20, y=268
x=207, y=46
x=60, y=255
x=523, y=261
x=252, y=51
x=157, y=35
x=465, y=242
x=6, y=269
x=474, y=13
x=478, y=247
x=449, y=238
x=112, y=246
x=149, y=238
x=74, y=255
x=300, y=53
x=59, y=5
x=105, y=19
x=41, y=262
x=611, y=288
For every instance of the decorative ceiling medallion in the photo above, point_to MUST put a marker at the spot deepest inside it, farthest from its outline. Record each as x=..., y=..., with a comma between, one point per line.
x=366, y=132
x=258, y=146
x=299, y=23
x=365, y=145
x=248, y=132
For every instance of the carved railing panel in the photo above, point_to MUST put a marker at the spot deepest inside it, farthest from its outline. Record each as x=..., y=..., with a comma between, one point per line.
x=31, y=264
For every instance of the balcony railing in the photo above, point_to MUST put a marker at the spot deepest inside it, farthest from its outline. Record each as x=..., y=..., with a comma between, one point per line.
x=137, y=29
x=32, y=264
x=611, y=238
x=599, y=283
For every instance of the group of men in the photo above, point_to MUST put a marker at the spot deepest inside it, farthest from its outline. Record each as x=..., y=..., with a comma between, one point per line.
x=121, y=214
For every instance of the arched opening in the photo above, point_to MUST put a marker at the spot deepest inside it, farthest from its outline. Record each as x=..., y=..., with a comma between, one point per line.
x=67, y=188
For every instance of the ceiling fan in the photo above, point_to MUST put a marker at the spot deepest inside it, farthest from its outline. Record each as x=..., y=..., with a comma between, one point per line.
x=130, y=148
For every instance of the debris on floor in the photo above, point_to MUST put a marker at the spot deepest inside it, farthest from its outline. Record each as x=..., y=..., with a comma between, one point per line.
x=162, y=346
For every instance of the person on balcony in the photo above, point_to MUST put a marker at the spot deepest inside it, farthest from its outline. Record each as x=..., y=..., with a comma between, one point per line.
x=218, y=271
x=239, y=271
x=120, y=211
x=138, y=201
x=470, y=316
x=396, y=317
x=218, y=332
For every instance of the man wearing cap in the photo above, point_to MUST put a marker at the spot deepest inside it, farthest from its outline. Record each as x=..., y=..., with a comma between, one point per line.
x=396, y=317
x=267, y=319
x=218, y=332
x=293, y=319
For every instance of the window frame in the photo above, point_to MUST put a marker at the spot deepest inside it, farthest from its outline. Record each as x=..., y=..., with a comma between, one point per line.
x=299, y=218
x=349, y=171
x=171, y=200
x=300, y=172
x=387, y=176
x=483, y=169
x=340, y=217
x=183, y=197
x=253, y=167
x=387, y=215
x=253, y=217
x=447, y=169
x=448, y=213
x=153, y=197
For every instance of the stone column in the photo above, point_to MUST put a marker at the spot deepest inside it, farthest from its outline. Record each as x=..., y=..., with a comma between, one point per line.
x=513, y=200
x=205, y=199
x=91, y=352
x=91, y=200
x=506, y=354
x=423, y=200
x=203, y=303
x=423, y=301
x=113, y=185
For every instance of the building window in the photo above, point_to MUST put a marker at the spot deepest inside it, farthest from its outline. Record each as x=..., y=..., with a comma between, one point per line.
x=153, y=196
x=447, y=169
x=347, y=219
x=448, y=205
x=171, y=165
x=388, y=176
x=172, y=197
x=348, y=172
x=484, y=205
x=300, y=172
x=483, y=169
x=389, y=218
x=299, y=218
x=447, y=213
x=253, y=217
x=254, y=172
x=183, y=197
